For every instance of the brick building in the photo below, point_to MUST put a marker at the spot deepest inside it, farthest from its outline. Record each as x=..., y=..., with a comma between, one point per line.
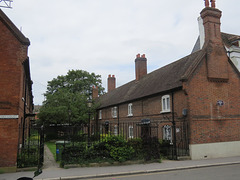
x=198, y=94
x=16, y=101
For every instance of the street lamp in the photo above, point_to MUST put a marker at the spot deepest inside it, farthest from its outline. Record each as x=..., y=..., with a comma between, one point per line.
x=89, y=104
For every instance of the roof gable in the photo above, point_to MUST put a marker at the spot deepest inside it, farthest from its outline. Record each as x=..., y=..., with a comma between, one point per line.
x=15, y=31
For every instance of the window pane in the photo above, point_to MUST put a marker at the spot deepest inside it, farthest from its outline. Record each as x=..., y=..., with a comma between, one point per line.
x=164, y=104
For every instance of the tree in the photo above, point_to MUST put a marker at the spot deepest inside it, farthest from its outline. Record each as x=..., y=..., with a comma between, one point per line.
x=67, y=96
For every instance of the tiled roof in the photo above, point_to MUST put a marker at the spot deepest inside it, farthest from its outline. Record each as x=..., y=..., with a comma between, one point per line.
x=16, y=32
x=227, y=40
x=161, y=80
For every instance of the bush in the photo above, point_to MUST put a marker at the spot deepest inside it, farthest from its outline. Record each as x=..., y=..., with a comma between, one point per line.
x=151, y=148
x=137, y=146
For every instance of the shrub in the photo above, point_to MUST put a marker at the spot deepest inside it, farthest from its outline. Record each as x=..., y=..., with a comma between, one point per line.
x=151, y=148
x=136, y=143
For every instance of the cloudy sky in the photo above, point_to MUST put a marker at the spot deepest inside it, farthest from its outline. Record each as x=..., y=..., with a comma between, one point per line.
x=104, y=36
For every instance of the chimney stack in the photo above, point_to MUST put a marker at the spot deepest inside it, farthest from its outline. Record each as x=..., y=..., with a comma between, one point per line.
x=111, y=82
x=140, y=66
x=94, y=92
x=211, y=22
x=217, y=60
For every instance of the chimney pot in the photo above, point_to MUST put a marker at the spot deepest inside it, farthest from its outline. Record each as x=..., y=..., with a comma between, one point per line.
x=138, y=56
x=143, y=56
x=213, y=4
x=206, y=3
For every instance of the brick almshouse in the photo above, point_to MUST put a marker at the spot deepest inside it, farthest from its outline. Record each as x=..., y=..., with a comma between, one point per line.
x=202, y=89
x=16, y=90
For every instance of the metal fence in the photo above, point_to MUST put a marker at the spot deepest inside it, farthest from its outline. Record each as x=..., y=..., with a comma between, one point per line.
x=97, y=132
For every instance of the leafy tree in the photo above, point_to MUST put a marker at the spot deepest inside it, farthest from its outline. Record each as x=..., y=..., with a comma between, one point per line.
x=67, y=96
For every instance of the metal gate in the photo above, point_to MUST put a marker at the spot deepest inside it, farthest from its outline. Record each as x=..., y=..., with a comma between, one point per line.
x=31, y=148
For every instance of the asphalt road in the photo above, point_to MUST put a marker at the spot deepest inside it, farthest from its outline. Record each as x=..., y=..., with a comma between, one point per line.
x=227, y=172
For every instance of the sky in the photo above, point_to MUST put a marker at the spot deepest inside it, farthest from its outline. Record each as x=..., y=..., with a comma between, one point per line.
x=104, y=36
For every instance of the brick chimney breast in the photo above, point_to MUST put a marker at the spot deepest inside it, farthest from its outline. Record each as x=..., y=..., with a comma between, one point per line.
x=140, y=66
x=111, y=82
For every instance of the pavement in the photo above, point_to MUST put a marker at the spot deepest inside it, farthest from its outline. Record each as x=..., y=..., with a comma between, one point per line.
x=55, y=173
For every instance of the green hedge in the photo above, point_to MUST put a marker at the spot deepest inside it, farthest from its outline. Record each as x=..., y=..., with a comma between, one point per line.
x=110, y=149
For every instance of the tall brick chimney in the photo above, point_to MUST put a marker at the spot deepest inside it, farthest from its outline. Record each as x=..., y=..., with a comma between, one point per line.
x=111, y=82
x=140, y=66
x=94, y=92
x=217, y=60
x=211, y=22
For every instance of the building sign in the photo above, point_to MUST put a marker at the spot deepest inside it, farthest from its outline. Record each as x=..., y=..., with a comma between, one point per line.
x=8, y=116
x=220, y=103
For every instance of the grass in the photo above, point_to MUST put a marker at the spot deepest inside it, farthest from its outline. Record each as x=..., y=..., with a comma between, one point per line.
x=52, y=148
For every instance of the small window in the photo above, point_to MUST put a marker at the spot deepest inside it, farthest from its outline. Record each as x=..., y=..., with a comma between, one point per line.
x=130, y=131
x=114, y=112
x=165, y=104
x=115, y=130
x=167, y=133
x=130, y=112
x=100, y=114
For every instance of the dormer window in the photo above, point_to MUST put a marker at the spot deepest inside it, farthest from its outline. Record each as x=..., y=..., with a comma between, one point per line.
x=130, y=111
x=165, y=104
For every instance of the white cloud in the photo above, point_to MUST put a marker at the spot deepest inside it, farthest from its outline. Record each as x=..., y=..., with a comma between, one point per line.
x=105, y=36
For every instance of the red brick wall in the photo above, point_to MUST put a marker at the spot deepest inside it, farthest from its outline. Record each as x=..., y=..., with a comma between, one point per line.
x=209, y=122
x=148, y=108
x=9, y=142
x=12, y=55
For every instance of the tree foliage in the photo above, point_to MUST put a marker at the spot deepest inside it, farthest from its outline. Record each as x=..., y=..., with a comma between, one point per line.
x=67, y=96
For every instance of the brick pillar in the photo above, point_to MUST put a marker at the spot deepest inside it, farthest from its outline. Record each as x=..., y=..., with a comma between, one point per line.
x=111, y=82
x=140, y=66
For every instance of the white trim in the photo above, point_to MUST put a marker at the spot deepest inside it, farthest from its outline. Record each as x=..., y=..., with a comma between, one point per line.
x=9, y=116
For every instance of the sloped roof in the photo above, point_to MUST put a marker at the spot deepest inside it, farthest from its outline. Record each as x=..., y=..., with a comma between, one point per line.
x=228, y=39
x=9, y=24
x=161, y=80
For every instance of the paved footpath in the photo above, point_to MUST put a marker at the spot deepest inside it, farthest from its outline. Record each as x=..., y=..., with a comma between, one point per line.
x=90, y=172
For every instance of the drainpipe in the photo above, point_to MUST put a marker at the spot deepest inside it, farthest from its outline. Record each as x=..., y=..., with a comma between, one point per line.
x=118, y=119
x=24, y=112
x=174, y=130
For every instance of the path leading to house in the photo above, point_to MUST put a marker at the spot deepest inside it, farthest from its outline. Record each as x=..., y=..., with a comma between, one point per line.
x=49, y=161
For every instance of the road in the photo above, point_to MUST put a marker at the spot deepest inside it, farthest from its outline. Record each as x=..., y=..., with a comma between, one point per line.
x=227, y=172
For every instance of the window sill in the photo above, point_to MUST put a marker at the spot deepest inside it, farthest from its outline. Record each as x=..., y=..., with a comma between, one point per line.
x=130, y=115
x=166, y=111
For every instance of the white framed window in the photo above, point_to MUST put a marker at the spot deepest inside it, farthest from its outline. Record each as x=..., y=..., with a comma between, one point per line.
x=165, y=104
x=130, y=131
x=167, y=133
x=114, y=112
x=100, y=114
x=130, y=111
x=115, y=130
